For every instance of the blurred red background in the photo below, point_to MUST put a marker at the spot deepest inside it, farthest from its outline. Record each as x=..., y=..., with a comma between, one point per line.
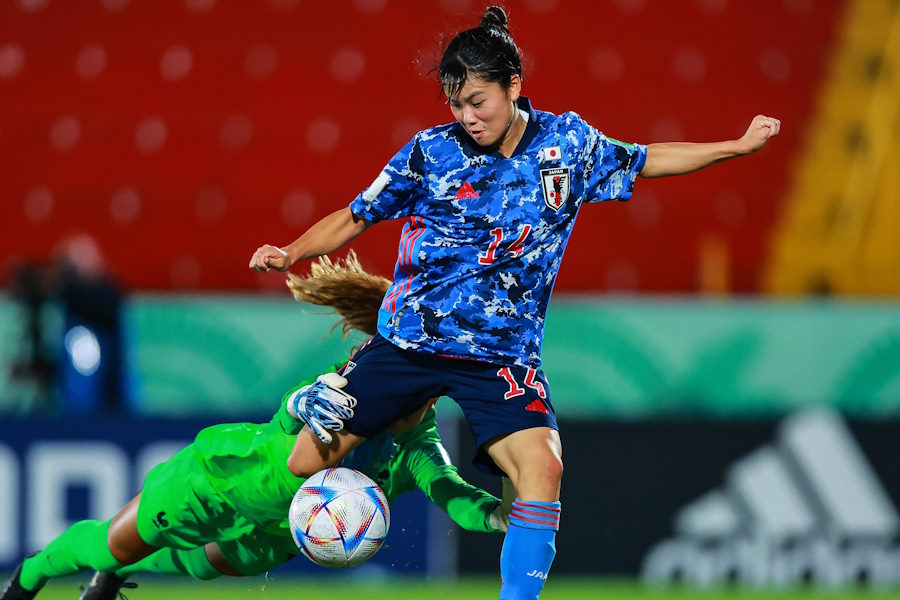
x=182, y=134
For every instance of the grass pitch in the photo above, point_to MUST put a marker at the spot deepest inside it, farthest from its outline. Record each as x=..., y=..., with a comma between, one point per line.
x=558, y=588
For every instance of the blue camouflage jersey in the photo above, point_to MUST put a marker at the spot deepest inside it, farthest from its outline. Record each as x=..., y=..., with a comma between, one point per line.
x=485, y=234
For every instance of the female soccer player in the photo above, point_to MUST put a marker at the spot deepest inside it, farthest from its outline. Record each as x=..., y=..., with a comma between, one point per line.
x=220, y=505
x=490, y=201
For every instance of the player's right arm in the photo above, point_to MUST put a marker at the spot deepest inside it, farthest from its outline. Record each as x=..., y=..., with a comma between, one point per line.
x=391, y=195
x=326, y=236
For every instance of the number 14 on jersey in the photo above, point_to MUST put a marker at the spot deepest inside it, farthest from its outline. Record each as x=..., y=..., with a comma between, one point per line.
x=515, y=248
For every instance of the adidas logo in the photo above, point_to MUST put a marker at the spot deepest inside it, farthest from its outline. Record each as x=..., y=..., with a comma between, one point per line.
x=537, y=406
x=466, y=192
x=805, y=509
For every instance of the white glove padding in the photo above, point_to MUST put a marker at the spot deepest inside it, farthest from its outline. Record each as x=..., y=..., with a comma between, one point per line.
x=322, y=405
x=500, y=518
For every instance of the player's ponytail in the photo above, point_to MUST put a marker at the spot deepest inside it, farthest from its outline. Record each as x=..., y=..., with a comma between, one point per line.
x=354, y=294
x=487, y=51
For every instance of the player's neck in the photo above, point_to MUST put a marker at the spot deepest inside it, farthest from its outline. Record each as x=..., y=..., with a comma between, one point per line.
x=513, y=135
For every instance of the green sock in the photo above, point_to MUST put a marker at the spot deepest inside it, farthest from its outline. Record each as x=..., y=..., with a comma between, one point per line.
x=174, y=562
x=82, y=546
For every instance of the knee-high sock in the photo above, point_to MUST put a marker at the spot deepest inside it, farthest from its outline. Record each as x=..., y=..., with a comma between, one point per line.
x=528, y=549
x=174, y=562
x=80, y=547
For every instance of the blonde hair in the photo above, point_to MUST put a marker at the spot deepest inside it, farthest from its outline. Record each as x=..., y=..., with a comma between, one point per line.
x=345, y=286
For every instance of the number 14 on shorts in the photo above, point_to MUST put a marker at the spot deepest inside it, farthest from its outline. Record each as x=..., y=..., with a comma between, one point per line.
x=515, y=389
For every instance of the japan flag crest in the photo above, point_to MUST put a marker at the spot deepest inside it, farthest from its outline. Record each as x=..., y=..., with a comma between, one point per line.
x=551, y=153
x=555, y=183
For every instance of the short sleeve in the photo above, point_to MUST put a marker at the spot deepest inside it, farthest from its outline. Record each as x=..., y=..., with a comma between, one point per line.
x=397, y=188
x=611, y=167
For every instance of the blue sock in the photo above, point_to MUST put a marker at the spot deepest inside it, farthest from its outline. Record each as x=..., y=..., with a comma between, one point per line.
x=528, y=549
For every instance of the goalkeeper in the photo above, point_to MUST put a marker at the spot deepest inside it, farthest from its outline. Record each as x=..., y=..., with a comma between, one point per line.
x=220, y=505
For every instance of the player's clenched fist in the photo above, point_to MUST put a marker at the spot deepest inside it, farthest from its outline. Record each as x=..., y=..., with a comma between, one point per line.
x=270, y=257
x=761, y=129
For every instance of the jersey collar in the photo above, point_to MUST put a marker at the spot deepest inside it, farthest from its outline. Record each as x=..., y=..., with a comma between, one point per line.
x=531, y=130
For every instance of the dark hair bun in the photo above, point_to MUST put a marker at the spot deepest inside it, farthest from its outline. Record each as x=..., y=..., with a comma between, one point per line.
x=494, y=17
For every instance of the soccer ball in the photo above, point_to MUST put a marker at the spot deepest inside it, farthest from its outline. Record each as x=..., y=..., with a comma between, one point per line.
x=339, y=518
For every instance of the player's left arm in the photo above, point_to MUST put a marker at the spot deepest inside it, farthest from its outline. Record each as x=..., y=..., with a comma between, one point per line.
x=679, y=158
x=472, y=508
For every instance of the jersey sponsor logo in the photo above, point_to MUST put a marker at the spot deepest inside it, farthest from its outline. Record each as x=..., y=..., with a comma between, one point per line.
x=550, y=153
x=160, y=520
x=808, y=508
x=349, y=366
x=538, y=575
x=466, y=192
x=555, y=183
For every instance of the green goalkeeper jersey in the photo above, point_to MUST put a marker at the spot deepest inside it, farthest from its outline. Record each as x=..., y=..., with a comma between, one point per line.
x=247, y=464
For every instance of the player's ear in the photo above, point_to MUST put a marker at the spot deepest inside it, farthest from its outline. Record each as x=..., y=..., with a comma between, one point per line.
x=515, y=87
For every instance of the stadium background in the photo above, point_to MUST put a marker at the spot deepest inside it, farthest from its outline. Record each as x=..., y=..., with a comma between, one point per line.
x=724, y=349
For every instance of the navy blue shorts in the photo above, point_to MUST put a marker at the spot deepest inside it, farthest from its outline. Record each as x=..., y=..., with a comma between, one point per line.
x=391, y=383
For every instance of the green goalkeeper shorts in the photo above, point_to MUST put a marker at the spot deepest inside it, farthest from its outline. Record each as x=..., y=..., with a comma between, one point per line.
x=260, y=551
x=180, y=508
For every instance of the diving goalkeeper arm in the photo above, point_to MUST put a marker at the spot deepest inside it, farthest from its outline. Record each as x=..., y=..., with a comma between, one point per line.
x=472, y=508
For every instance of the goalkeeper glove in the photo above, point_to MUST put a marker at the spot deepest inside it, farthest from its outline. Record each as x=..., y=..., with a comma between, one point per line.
x=499, y=519
x=322, y=405
x=500, y=516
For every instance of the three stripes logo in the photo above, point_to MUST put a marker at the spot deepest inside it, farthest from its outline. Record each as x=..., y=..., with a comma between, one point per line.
x=407, y=262
x=807, y=508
